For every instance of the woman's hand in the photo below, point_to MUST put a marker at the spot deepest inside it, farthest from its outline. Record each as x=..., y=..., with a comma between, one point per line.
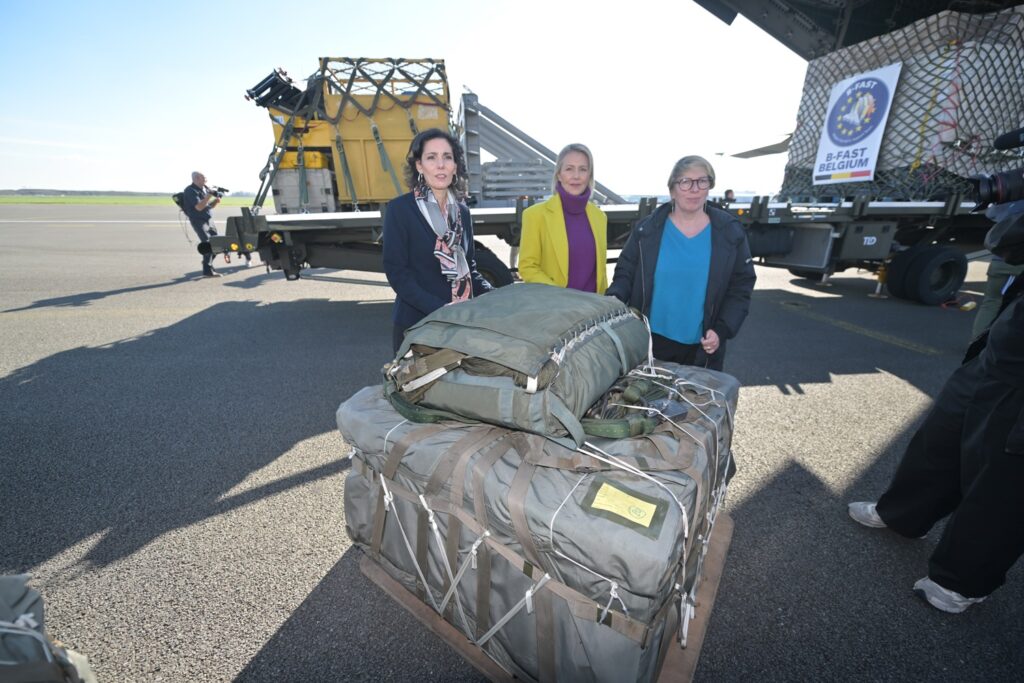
x=709, y=342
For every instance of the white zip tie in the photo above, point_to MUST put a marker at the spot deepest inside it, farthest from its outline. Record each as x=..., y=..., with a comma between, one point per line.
x=470, y=562
x=526, y=599
x=613, y=595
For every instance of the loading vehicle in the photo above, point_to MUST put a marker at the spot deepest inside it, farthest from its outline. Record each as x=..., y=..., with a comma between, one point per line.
x=337, y=159
x=340, y=144
x=914, y=221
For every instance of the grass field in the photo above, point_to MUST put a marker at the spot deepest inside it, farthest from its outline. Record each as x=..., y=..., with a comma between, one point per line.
x=111, y=199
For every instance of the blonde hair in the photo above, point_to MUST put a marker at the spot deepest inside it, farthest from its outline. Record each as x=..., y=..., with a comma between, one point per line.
x=685, y=164
x=572, y=147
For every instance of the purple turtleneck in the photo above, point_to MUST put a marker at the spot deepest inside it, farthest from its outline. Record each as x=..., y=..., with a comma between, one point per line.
x=582, y=251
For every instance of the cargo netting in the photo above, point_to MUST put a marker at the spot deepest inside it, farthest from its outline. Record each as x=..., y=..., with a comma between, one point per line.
x=389, y=82
x=961, y=86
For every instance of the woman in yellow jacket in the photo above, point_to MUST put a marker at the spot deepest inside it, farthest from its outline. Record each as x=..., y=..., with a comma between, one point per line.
x=564, y=239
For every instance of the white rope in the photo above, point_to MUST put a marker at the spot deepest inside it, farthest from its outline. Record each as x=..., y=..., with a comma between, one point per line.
x=444, y=561
x=389, y=504
x=615, y=462
x=526, y=601
x=388, y=435
x=610, y=459
x=650, y=341
x=713, y=423
x=592, y=329
x=614, y=595
x=469, y=562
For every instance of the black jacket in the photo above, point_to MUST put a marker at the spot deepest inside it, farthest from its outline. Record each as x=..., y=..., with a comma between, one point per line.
x=731, y=274
x=410, y=264
x=192, y=196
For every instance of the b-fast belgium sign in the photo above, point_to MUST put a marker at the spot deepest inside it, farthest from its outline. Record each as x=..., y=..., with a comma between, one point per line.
x=857, y=111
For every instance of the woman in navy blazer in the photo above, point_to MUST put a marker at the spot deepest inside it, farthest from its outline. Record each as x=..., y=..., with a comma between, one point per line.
x=429, y=257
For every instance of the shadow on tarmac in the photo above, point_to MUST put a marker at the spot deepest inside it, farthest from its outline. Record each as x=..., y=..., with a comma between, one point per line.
x=348, y=629
x=817, y=596
x=137, y=438
x=86, y=298
x=147, y=435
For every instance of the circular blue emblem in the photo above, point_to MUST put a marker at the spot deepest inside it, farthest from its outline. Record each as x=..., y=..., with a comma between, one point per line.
x=858, y=112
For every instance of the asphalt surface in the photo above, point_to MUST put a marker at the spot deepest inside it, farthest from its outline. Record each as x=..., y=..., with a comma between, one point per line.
x=172, y=476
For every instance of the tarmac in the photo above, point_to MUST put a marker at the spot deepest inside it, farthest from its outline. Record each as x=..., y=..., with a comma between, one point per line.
x=172, y=476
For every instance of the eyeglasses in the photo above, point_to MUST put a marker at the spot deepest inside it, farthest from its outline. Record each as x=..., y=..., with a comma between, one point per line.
x=686, y=184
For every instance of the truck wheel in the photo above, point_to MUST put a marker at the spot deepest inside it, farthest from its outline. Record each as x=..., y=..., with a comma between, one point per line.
x=896, y=275
x=491, y=267
x=935, y=275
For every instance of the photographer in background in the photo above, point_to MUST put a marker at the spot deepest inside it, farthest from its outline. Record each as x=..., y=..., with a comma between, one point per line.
x=198, y=204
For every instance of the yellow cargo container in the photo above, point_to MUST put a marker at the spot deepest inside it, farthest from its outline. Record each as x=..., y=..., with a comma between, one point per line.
x=370, y=109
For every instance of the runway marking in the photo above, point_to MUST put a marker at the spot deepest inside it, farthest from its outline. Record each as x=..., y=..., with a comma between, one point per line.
x=863, y=331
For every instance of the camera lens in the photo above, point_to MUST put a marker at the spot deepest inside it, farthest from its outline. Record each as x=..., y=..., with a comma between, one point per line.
x=1000, y=188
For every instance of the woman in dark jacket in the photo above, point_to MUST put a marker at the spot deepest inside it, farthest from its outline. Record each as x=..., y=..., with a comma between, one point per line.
x=687, y=267
x=429, y=258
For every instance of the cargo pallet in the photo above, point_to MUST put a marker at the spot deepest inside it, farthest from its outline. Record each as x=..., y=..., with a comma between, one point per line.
x=679, y=663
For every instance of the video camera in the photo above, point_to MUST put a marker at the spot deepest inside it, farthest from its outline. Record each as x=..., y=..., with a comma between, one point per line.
x=1008, y=186
x=216, y=191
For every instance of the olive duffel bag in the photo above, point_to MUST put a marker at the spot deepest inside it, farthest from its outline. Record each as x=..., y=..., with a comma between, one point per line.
x=530, y=357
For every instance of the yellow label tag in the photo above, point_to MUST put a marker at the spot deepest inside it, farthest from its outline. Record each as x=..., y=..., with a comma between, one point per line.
x=618, y=502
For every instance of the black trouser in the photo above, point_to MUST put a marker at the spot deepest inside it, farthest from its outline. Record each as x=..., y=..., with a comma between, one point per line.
x=687, y=354
x=202, y=231
x=956, y=464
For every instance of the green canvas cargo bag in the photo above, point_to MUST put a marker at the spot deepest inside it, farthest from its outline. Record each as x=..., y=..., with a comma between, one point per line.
x=27, y=654
x=529, y=356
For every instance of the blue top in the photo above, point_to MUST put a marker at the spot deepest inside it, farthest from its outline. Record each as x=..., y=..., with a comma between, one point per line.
x=681, y=284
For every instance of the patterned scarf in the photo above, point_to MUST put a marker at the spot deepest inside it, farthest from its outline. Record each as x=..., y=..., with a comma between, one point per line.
x=448, y=250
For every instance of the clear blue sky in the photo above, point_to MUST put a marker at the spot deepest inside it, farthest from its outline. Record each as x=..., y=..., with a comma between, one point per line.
x=134, y=96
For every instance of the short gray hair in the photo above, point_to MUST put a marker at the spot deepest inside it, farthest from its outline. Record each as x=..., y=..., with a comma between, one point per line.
x=572, y=147
x=685, y=164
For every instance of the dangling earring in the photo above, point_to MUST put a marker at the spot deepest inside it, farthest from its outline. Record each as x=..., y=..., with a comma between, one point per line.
x=420, y=179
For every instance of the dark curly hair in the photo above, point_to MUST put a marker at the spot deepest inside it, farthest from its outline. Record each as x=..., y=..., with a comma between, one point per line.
x=460, y=184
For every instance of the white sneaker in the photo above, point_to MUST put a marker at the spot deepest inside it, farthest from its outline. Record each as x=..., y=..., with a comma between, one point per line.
x=249, y=263
x=865, y=513
x=942, y=598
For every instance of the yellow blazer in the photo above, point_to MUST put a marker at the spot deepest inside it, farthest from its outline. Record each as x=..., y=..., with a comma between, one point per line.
x=544, y=244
